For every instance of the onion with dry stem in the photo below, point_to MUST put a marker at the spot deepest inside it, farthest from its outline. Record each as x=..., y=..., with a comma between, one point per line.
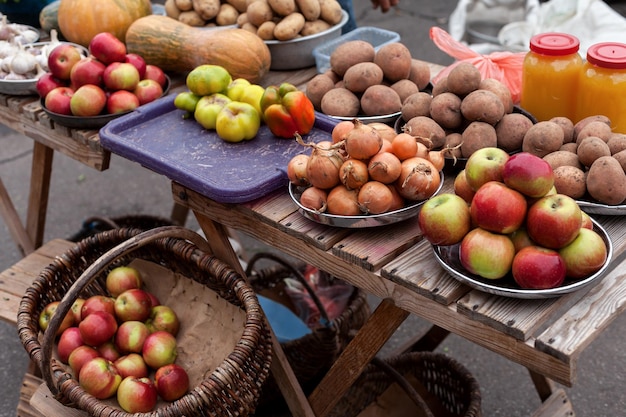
x=296, y=170
x=353, y=173
x=342, y=202
x=374, y=197
x=314, y=198
x=322, y=170
x=363, y=141
x=418, y=180
x=384, y=167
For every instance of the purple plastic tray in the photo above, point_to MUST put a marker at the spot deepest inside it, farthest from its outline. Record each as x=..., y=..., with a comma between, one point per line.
x=157, y=137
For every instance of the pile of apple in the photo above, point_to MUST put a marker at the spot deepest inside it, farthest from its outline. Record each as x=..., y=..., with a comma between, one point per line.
x=122, y=345
x=108, y=81
x=507, y=218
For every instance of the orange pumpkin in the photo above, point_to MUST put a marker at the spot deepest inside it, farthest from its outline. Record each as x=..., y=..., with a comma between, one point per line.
x=175, y=46
x=81, y=20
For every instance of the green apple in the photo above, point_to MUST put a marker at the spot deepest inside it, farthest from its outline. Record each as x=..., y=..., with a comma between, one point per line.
x=486, y=254
x=237, y=121
x=445, y=219
x=585, y=255
x=208, y=108
x=484, y=165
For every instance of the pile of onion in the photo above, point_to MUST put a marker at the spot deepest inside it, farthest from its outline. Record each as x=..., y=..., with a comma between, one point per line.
x=365, y=169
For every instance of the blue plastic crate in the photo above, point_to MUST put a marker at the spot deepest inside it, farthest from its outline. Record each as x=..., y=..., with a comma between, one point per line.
x=375, y=36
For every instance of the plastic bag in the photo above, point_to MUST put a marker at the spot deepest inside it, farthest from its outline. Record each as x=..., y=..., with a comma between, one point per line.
x=503, y=66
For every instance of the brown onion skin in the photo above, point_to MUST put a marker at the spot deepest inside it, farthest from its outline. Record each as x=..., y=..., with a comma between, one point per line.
x=296, y=170
x=374, y=198
x=419, y=179
x=314, y=198
x=363, y=141
x=323, y=168
x=384, y=167
x=343, y=202
x=353, y=173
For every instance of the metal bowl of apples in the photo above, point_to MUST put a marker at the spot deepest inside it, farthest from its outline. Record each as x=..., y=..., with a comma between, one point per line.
x=448, y=257
x=92, y=122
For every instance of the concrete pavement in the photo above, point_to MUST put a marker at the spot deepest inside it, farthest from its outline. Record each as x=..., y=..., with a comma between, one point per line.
x=78, y=192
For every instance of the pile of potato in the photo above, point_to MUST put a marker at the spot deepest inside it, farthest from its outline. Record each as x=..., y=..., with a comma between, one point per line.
x=363, y=81
x=205, y=12
x=588, y=158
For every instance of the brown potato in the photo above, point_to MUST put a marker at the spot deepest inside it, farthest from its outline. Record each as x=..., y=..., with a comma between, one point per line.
x=191, y=18
x=463, y=79
x=350, y=53
x=606, y=181
x=380, y=99
x=330, y=11
x=578, y=126
x=405, y=88
x=361, y=76
x=570, y=147
x=266, y=30
x=591, y=148
x=453, y=142
x=445, y=109
x=478, y=135
x=289, y=27
x=499, y=89
x=420, y=73
x=227, y=15
x=317, y=87
x=563, y=158
x=311, y=9
x=570, y=180
x=417, y=104
x=340, y=102
x=617, y=143
x=482, y=106
x=240, y=5
x=621, y=158
x=568, y=127
x=207, y=9
x=282, y=7
x=441, y=86
x=543, y=138
x=311, y=27
x=510, y=131
x=259, y=12
x=395, y=60
x=332, y=75
x=171, y=10
x=596, y=129
x=427, y=131
x=184, y=5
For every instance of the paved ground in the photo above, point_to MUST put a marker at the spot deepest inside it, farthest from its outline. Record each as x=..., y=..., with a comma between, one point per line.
x=78, y=192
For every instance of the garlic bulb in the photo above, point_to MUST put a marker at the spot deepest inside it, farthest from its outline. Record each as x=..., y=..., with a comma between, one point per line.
x=23, y=62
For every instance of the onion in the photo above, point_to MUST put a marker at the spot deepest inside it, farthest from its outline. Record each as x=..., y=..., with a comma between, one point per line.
x=422, y=150
x=374, y=198
x=404, y=146
x=322, y=170
x=363, y=141
x=418, y=180
x=314, y=198
x=296, y=169
x=384, y=167
x=341, y=129
x=386, y=146
x=353, y=173
x=397, y=201
x=437, y=158
x=342, y=202
x=384, y=130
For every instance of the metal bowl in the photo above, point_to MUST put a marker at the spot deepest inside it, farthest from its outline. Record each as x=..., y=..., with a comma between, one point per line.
x=362, y=221
x=448, y=257
x=385, y=118
x=298, y=53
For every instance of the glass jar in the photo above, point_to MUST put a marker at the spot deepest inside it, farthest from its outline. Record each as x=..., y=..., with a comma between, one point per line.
x=602, y=85
x=550, y=74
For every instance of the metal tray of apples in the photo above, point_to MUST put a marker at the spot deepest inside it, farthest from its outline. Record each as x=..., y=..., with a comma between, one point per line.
x=448, y=257
x=594, y=207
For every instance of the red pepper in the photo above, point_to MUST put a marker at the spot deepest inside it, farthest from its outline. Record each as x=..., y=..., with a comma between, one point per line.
x=286, y=110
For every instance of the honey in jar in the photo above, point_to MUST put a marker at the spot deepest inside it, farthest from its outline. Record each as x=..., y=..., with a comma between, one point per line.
x=550, y=75
x=602, y=85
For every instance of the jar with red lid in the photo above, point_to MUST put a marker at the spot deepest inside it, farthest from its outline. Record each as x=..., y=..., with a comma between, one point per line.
x=602, y=85
x=550, y=75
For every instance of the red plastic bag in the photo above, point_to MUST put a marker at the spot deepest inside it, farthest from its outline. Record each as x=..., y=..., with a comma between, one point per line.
x=503, y=66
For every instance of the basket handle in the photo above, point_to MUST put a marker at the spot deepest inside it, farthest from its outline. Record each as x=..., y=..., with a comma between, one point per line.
x=130, y=245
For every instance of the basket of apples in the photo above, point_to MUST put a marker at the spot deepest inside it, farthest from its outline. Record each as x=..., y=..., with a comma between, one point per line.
x=505, y=230
x=131, y=323
x=88, y=92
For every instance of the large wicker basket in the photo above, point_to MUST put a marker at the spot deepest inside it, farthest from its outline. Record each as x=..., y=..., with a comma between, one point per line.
x=231, y=389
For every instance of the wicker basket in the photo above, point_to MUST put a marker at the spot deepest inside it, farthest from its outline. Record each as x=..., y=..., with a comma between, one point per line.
x=437, y=384
x=232, y=389
x=312, y=355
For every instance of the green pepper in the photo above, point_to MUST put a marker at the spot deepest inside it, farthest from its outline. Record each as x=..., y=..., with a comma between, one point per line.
x=287, y=110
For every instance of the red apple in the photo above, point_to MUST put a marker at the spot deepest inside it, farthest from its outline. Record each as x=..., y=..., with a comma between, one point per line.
x=587, y=223
x=462, y=188
x=88, y=100
x=498, y=208
x=172, y=382
x=554, y=221
x=122, y=278
x=486, y=254
x=133, y=304
x=48, y=82
x=585, y=255
x=107, y=48
x=131, y=365
x=163, y=317
x=97, y=328
x=58, y=100
x=80, y=356
x=139, y=63
x=485, y=165
x=76, y=309
x=121, y=101
x=109, y=351
x=130, y=336
x=46, y=315
x=528, y=174
x=154, y=299
x=87, y=71
x=120, y=76
x=69, y=340
x=445, y=219
x=61, y=60
x=137, y=395
x=148, y=90
x=97, y=303
x=155, y=73
x=159, y=349
x=535, y=267
x=100, y=378
x=521, y=239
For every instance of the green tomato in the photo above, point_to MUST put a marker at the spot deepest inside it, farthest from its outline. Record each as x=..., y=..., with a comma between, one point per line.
x=186, y=101
x=236, y=88
x=208, y=79
x=237, y=121
x=252, y=95
x=207, y=109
